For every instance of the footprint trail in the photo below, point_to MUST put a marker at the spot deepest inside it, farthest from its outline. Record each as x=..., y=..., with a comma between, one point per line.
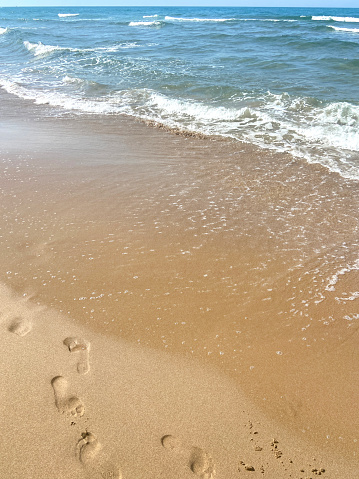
x=65, y=403
x=90, y=453
x=199, y=461
x=82, y=347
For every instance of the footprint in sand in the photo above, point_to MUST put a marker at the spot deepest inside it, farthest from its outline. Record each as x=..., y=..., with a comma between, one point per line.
x=20, y=326
x=89, y=452
x=66, y=403
x=81, y=346
x=199, y=461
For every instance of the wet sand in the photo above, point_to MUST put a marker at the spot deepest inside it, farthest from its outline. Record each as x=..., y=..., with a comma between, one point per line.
x=206, y=292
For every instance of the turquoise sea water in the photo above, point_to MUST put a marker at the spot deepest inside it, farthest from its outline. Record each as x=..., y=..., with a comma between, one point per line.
x=282, y=78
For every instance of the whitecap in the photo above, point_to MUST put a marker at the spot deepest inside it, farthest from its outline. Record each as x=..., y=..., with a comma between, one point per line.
x=335, y=19
x=342, y=29
x=150, y=16
x=109, y=49
x=276, y=20
x=3, y=30
x=40, y=49
x=181, y=19
x=154, y=23
x=73, y=80
x=63, y=15
x=264, y=20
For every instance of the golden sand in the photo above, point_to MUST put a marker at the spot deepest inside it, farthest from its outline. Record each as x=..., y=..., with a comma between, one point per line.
x=172, y=307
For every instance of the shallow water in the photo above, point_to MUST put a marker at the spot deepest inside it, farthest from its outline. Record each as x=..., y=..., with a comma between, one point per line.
x=244, y=259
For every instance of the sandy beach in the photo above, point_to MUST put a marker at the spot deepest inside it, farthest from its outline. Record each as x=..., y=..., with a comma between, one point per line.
x=172, y=306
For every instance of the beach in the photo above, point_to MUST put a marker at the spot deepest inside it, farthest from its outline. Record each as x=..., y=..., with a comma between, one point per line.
x=172, y=305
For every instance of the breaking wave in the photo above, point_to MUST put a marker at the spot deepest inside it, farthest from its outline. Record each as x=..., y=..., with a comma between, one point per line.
x=64, y=15
x=342, y=29
x=335, y=19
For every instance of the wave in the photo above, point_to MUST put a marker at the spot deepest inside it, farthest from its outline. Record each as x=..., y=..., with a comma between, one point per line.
x=304, y=127
x=181, y=19
x=335, y=19
x=154, y=23
x=63, y=15
x=273, y=20
x=150, y=16
x=73, y=80
x=57, y=99
x=80, y=84
x=342, y=29
x=39, y=49
x=3, y=30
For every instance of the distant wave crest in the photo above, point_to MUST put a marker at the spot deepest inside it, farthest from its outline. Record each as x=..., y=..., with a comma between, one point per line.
x=335, y=19
x=342, y=29
x=181, y=19
x=3, y=30
x=154, y=23
x=62, y=15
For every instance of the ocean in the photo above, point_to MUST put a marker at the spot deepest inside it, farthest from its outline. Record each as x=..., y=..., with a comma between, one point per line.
x=280, y=78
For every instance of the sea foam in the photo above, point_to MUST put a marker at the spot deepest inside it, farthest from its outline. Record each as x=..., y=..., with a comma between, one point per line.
x=40, y=49
x=335, y=277
x=63, y=15
x=154, y=23
x=335, y=19
x=181, y=19
x=3, y=30
x=342, y=29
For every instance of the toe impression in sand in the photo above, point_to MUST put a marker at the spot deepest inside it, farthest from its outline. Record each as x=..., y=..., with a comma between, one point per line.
x=89, y=452
x=87, y=448
x=200, y=462
x=82, y=348
x=65, y=403
x=20, y=326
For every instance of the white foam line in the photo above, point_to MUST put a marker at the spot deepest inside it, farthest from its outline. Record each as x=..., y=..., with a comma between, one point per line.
x=335, y=278
x=41, y=49
x=263, y=20
x=145, y=24
x=266, y=125
x=63, y=15
x=342, y=29
x=181, y=19
x=335, y=19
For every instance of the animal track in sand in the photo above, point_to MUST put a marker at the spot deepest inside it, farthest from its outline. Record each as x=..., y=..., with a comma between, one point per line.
x=82, y=347
x=66, y=403
x=200, y=462
x=20, y=326
x=89, y=452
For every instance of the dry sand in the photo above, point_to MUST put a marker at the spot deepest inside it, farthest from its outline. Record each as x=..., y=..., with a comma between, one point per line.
x=172, y=307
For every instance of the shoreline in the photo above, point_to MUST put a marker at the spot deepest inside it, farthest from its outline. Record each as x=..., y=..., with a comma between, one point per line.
x=150, y=238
